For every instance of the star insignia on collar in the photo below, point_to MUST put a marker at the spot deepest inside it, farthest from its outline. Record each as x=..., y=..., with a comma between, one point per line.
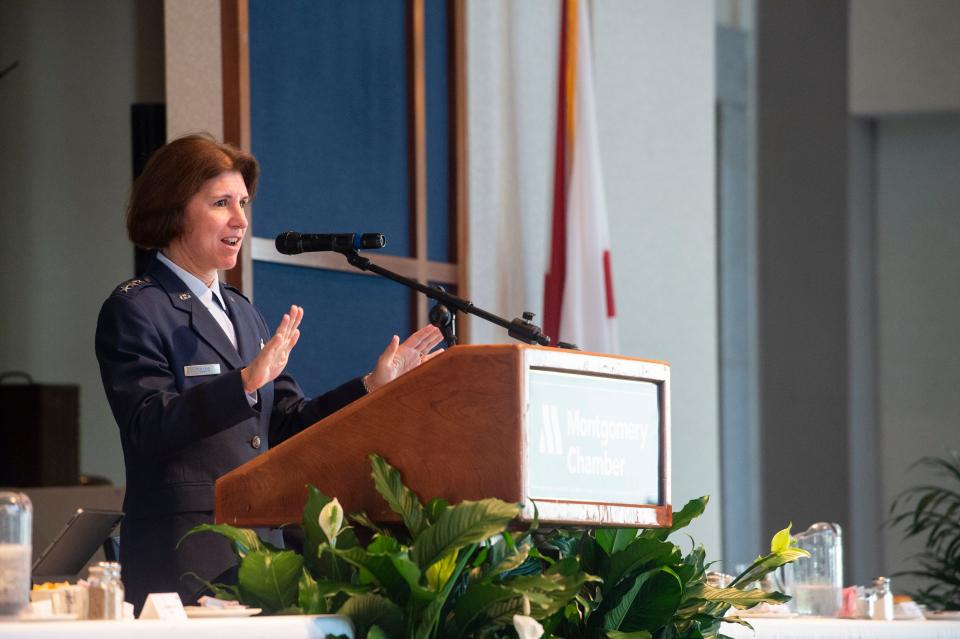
x=184, y=296
x=131, y=284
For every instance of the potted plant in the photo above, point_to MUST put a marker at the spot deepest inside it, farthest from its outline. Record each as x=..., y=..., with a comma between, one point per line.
x=456, y=571
x=932, y=513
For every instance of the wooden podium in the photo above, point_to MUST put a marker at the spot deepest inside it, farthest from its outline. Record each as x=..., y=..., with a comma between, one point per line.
x=585, y=436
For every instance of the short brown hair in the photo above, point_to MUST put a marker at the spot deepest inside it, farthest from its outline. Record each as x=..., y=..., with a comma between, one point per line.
x=173, y=175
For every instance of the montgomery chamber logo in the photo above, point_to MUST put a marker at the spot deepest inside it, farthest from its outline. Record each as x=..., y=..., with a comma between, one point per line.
x=551, y=440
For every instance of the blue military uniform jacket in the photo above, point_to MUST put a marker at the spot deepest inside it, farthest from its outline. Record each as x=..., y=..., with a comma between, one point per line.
x=172, y=378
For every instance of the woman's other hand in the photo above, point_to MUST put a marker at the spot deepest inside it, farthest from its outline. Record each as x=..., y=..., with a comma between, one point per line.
x=399, y=358
x=274, y=355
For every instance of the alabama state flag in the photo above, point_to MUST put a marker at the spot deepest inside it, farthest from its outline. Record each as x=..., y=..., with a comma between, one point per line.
x=578, y=290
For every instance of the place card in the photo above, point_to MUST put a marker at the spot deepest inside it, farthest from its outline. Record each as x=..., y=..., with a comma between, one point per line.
x=41, y=608
x=163, y=605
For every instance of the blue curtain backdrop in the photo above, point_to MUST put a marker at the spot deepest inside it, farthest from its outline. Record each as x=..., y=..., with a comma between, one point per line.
x=330, y=125
x=437, y=45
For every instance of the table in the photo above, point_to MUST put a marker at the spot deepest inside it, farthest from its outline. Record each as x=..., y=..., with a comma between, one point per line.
x=317, y=627
x=286, y=627
x=823, y=628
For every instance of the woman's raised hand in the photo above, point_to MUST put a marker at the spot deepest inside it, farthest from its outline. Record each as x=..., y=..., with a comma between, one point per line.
x=273, y=357
x=399, y=358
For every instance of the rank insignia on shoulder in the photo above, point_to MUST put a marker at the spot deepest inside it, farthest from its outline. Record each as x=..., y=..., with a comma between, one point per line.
x=129, y=285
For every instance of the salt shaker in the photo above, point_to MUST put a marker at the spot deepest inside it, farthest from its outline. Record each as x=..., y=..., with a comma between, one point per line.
x=884, y=606
x=16, y=545
x=866, y=603
x=106, y=591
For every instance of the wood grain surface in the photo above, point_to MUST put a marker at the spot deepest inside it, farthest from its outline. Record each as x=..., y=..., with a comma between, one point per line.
x=453, y=427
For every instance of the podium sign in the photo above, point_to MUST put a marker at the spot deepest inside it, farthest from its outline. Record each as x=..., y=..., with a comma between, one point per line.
x=595, y=437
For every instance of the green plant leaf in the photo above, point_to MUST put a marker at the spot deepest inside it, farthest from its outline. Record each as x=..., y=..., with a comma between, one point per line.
x=565, y=542
x=656, y=603
x=410, y=572
x=692, y=569
x=401, y=499
x=551, y=591
x=440, y=571
x=227, y=592
x=328, y=588
x=740, y=621
x=243, y=540
x=593, y=558
x=781, y=540
x=435, y=508
x=270, y=580
x=508, y=563
x=792, y=554
x=618, y=601
x=308, y=595
x=735, y=597
x=466, y=523
x=700, y=627
x=690, y=511
x=641, y=555
x=364, y=520
x=429, y=617
x=378, y=568
x=639, y=634
x=385, y=544
x=615, y=539
x=368, y=610
x=766, y=564
x=474, y=607
x=376, y=632
x=930, y=515
x=495, y=549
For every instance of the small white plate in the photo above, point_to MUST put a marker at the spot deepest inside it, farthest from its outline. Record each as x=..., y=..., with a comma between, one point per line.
x=64, y=616
x=943, y=614
x=200, y=612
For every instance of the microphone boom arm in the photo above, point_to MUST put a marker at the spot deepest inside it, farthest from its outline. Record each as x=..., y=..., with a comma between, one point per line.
x=520, y=329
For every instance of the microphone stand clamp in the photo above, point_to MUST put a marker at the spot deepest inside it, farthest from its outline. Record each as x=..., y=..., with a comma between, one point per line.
x=520, y=329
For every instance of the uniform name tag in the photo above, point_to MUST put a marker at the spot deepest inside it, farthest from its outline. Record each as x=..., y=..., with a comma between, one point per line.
x=201, y=369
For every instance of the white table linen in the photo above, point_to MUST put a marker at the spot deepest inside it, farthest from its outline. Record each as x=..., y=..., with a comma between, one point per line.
x=285, y=627
x=823, y=628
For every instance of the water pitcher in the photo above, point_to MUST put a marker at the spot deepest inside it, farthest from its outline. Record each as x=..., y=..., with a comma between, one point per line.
x=816, y=583
x=16, y=523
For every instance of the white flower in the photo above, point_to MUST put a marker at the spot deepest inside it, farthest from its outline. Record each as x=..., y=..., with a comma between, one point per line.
x=527, y=627
x=331, y=518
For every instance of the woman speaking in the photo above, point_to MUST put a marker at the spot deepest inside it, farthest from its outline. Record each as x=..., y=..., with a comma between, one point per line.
x=193, y=375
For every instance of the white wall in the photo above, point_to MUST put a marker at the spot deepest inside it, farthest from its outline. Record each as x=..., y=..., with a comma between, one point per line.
x=654, y=65
x=655, y=102
x=905, y=90
x=65, y=172
x=918, y=296
x=193, y=67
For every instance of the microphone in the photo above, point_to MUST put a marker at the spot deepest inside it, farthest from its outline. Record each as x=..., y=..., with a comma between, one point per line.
x=293, y=243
